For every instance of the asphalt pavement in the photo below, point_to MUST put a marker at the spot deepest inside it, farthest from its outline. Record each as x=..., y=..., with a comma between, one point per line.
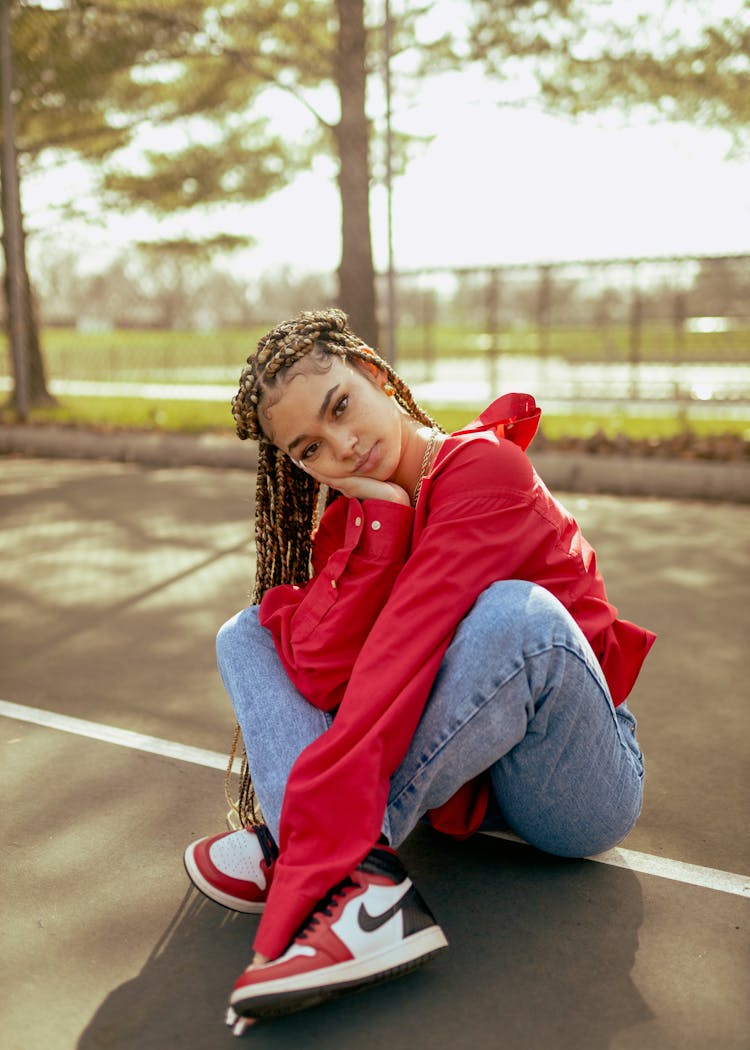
x=113, y=581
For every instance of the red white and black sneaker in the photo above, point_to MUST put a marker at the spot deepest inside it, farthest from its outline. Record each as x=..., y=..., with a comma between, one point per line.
x=372, y=926
x=234, y=868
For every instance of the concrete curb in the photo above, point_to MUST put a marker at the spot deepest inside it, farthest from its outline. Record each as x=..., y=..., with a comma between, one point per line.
x=566, y=471
x=645, y=476
x=152, y=448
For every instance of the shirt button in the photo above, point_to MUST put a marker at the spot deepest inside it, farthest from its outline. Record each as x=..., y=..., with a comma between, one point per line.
x=375, y=526
x=333, y=584
x=357, y=522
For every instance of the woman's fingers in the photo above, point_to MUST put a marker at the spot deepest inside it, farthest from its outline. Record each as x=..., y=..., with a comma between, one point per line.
x=357, y=486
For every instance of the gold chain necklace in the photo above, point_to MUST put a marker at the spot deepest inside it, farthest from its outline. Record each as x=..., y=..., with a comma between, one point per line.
x=428, y=452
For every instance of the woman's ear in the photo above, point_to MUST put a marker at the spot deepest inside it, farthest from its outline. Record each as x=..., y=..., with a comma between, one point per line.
x=371, y=368
x=381, y=378
x=379, y=374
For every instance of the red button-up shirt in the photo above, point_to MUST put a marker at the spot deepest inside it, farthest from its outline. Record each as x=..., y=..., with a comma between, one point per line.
x=366, y=636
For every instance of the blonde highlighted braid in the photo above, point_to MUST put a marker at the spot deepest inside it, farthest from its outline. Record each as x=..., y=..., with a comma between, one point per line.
x=287, y=498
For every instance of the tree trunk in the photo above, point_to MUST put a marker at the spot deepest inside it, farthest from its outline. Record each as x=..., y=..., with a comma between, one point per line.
x=21, y=322
x=37, y=392
x=356, y=274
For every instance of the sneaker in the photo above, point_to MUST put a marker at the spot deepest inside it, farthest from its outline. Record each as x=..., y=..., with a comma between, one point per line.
x=372, y=926
x=234, y=868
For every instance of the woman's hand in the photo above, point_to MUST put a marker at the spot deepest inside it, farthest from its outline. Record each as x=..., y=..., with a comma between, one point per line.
x=359, y=487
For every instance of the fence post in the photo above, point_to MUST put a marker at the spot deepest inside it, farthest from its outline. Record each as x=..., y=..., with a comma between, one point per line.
x=636, y=319
x=543, y=308
x=429, y=315
x=679, y=316
x=493, y=349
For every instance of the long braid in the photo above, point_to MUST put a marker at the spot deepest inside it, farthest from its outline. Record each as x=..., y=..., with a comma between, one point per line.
x=287, y=497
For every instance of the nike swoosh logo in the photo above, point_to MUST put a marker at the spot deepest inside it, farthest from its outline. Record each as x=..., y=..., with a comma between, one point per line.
x=369, y=923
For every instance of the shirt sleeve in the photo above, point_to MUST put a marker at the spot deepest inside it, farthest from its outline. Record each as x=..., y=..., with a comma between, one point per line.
x=320, y=628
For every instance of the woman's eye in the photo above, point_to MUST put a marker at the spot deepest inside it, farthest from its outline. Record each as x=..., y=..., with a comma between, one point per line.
x=341, y=405
x=310, y=450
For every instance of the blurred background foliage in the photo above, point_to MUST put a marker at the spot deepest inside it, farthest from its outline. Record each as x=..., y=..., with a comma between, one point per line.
x=163, y=103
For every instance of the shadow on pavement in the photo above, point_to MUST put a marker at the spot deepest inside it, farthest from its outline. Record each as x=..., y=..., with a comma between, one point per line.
x=182, y=984
x=541, y=955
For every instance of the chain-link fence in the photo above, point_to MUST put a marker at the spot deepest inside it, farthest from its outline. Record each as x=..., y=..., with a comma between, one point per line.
x=670, y=336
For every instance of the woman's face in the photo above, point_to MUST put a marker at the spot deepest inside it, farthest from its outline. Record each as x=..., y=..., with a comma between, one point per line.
x=338, y=422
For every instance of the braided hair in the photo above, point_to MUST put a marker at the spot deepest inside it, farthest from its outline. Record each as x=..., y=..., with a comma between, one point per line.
x=287, y=497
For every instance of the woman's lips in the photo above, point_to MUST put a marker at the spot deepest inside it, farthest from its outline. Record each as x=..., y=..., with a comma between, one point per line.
x=367, y=462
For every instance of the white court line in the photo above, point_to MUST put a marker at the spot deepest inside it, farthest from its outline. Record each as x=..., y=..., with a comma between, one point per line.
x=154, y=745
x=645, y=863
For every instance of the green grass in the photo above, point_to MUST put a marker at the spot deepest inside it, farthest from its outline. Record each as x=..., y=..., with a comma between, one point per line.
x=658, y=342
x=217, y=357
x=172, y=356
x=134, y=413
x=586, y=424
x=202, y=416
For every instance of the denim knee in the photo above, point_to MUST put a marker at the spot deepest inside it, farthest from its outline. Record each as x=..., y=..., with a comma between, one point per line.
x=236, y=631
x=527, y=609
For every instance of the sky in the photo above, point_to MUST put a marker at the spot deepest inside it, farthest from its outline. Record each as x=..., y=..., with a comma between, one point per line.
x=499, y=186
x=494, y=185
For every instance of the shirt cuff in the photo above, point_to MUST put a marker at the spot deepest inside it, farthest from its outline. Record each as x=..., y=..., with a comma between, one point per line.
x=379, y=528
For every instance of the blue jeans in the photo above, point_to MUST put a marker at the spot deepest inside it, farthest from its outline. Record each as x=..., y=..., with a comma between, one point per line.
x=519, y=693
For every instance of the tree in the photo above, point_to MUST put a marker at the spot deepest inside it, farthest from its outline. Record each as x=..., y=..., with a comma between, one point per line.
x=679, y=59
x=92, y=75
x=53, y=110
x=721, y=289
x=235, y=56
x=174, y=271
x=356, y=271
x=76, y=92
x=30, y=386
x=189, y=78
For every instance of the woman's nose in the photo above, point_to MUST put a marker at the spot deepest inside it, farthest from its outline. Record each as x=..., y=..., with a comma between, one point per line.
x=345, y=445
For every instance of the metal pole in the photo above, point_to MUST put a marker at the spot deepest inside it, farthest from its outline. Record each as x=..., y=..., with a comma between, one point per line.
x=679, y=316
x=12, y=224
x=636, y=317
x=493, y=350
x=429, y=315
x=543, y=309
x=391, y=279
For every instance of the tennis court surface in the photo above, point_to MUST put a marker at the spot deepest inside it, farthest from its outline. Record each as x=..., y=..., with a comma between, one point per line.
x=114, y=727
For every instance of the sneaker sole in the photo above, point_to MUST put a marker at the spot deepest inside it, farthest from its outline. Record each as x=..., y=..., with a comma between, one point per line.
x=289, y=994
x=226, y=900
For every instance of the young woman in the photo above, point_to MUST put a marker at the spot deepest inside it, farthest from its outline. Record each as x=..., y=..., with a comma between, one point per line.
x=439, y=646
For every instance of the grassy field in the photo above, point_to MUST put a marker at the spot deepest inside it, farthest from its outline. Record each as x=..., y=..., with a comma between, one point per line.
x=164, y=356
x=217, y=357
x=203, y=416
x=656, y=342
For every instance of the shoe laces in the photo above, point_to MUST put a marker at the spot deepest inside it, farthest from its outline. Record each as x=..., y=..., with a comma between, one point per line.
x=267, y=844
x=323, y=907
